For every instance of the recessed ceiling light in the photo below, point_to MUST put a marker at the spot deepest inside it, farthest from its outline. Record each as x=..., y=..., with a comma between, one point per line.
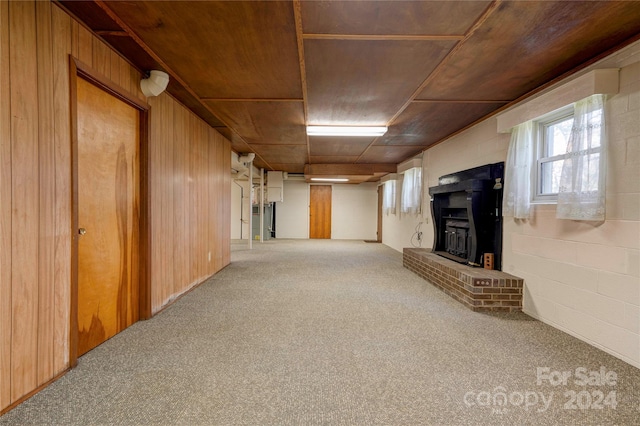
x=346, y=130
x=330, y=179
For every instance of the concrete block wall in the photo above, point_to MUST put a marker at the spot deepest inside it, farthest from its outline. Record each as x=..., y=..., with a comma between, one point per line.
x=579, y=277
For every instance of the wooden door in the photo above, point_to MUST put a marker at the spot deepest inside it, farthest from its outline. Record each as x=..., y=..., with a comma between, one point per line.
x=320, y=212
x=108, y=209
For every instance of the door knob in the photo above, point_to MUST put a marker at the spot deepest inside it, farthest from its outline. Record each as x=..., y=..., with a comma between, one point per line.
x=82, y=231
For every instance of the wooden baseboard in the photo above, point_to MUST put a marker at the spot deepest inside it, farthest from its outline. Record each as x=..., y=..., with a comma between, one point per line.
x=181, y=295
x=33, y=392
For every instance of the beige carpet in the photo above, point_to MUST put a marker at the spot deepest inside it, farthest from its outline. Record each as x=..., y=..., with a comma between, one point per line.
x=334, y=333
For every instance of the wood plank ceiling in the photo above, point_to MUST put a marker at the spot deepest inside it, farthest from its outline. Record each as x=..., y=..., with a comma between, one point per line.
x=259, y=71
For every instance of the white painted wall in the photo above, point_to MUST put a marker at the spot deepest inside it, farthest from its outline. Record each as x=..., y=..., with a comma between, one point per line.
x=399, y=229
x=239, y=209
x=236, y=208
x=581, y=278
x=353, y=211
x=292, y=215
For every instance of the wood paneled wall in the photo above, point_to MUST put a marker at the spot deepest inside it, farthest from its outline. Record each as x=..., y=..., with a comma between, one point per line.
x=189, y=189
x=190, y=200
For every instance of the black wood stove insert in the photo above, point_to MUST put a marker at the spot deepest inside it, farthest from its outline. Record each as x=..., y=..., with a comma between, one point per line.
x=466, y=208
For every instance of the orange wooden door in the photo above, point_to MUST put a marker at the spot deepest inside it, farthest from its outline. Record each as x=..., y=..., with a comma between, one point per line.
x=320, y=212
x=108, y=193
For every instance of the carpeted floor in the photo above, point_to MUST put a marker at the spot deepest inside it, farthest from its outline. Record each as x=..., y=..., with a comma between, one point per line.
x=333, y=333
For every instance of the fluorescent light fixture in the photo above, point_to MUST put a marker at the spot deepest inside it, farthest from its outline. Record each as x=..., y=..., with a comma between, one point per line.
x=330, y=179
x=346, y=130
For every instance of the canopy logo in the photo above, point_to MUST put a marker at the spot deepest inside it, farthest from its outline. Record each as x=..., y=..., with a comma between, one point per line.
x=594, y=392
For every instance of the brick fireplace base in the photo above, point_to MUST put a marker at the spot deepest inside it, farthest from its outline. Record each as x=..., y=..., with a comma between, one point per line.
x=481, y=290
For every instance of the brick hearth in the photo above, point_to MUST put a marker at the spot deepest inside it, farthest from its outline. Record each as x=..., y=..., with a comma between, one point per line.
x=481, y=290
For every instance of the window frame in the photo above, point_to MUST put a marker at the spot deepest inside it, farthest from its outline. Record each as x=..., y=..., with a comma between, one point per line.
x=540, y=126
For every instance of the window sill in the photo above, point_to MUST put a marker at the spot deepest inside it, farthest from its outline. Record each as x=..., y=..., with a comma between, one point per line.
x=544, y=202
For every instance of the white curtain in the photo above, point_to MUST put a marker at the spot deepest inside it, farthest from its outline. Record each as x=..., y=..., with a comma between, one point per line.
x=582, y=183
x=389, y=197
x=411, y=191
x=517, y=180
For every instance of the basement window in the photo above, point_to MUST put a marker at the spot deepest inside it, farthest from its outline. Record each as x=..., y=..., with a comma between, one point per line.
x=551, y=140
x=389, y=197
x=553, y=148
x=411, y=191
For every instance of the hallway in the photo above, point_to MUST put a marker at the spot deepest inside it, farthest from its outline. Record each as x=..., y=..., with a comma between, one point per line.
x=305, y=332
